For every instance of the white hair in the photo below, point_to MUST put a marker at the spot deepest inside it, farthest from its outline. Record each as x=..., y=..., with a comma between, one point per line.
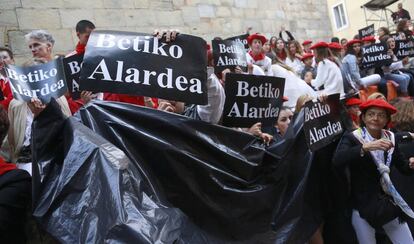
x=40, y=35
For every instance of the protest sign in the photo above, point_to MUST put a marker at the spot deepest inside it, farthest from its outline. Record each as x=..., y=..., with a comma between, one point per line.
x=367, y=31
x=241, y=39
x=228, y=54
x=72, y=66
x=404, y=49
x=251, y=99
x=322, y=122
x=42, y=81
x=140, y=64
x=375, y=55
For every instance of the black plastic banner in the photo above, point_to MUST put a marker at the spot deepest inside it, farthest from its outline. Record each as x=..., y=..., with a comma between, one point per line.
x=43, y=81
x=228, y=54
x=251, y=99
x=375, y=55
x=242, y=39
x=367, y=31
x=404, y=49
x=140, y=64
x=322, y=122
x=72, y=66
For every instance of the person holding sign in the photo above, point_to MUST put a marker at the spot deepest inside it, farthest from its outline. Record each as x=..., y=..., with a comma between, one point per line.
x=351, y=67
x=256, y=55
x=392, y=72
x=21, y=113
x=328, y=73
x=371, y=152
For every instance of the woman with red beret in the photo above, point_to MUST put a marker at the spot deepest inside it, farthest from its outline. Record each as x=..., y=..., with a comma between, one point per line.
x=256, y=56
x=371, y=152
x=328, y=75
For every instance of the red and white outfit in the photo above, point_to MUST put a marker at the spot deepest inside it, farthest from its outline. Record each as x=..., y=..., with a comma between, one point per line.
x=261, y=60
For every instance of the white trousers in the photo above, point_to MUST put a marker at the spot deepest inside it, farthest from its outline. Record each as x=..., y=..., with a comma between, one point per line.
x=371, y=80
x=398, y=233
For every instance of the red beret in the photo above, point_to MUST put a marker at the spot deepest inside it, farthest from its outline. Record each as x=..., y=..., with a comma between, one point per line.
x=258, y=36
x=379, y=103
x=306, y=42
x=319, y=45
x=368, y=39
x=307, y=55
x=352, y=42
x=335, y=45
x=353, y=101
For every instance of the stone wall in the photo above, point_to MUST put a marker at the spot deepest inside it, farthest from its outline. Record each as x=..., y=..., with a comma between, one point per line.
x=206, y=18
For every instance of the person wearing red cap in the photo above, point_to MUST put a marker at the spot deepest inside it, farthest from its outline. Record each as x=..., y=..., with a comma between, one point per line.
x=294, y=56
x=256, y=56
x=352, y=107
x=370, y=152
x=307, y=60
x=351, y=67
x=306, y=46
x=368, y=40
x=328, y=75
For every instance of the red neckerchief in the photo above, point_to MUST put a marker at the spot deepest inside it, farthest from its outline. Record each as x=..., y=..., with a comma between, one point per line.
x=6, y=167
x=80, y=48
x=257, y=57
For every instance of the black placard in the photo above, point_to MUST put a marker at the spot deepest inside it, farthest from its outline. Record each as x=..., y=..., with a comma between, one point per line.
x=140, y=64
x=43, y=81
x=242, y=39
x=72, y=66
x=404, y=49
x=322, y=122
x=375, y=55
x=367, y=31
x=228, y=54
x=251, y=99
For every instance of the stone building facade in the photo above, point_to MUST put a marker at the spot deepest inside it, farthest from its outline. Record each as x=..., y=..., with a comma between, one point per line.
x=205, y=18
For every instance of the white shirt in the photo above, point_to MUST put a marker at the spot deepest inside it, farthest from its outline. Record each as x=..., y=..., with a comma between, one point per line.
x=216, y=97
x=295, y=64
x=28, y=131
x=265, y=64
x=329, y=75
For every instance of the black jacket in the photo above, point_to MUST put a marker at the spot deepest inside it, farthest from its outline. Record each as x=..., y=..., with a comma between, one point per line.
x=367, y=195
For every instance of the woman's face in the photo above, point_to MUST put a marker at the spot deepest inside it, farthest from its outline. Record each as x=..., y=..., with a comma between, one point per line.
x=5, y=59
x=354, y=110
x=40, y=49
x=357, y=48
x=292, y=48
x=375, y=119
x=280, y=45
x=284, y=120
x=256, y=46
x=266, y=47
x=273, y=41
x=381, y=32
x=391, y=43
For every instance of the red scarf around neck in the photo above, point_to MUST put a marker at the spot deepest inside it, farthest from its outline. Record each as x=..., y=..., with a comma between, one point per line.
x=6, y=167
x=80, y=48
x=257, y=57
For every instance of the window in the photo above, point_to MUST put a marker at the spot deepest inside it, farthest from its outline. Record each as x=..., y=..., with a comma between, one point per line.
x=339, y=15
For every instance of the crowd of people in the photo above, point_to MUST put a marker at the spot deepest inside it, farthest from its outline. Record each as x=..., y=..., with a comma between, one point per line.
x=312, y=70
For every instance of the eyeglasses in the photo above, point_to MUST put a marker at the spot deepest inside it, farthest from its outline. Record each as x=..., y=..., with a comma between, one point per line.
x=372, y=115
